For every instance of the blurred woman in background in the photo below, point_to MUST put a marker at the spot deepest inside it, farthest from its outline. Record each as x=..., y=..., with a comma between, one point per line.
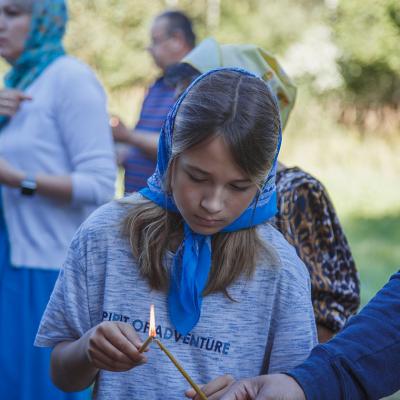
x=56, y=166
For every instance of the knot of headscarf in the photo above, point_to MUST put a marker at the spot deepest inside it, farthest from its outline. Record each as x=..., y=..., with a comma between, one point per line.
x=192, y=260
x=42, y=47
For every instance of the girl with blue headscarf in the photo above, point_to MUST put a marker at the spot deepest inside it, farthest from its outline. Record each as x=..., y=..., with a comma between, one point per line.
x=231, y=296
x=306, y=216
x=56, y=166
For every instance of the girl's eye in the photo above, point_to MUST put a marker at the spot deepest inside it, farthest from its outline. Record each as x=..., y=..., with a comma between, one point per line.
x=240, y=188
x=196, y=179
x=12, y=11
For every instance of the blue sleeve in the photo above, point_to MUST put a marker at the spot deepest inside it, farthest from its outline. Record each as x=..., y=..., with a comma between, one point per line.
x=363, y=360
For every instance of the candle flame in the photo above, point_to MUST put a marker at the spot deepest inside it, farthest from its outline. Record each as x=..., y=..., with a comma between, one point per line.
x=152, y=330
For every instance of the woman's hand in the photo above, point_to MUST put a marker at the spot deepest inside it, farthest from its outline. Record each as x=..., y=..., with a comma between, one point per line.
x=214, y=389
x=9, y=175
x=10, y=101
x=114, y=346
x=265, y=387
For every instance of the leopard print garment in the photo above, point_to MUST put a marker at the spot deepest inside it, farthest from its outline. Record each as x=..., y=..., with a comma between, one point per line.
x=308, y=221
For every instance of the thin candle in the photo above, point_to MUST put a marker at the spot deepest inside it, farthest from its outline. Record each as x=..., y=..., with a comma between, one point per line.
x=152, y=330
x=181, y=370
x=146, y=344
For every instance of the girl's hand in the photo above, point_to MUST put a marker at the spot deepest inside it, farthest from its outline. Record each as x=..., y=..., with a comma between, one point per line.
x=10, y=101
x=214, y=389
x=114, y=346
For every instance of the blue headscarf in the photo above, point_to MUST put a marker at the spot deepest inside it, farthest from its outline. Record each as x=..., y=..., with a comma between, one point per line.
x=192, y=261
x=43, y=46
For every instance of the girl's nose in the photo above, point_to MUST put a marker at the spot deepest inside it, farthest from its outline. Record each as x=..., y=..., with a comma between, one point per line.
x=213, y=202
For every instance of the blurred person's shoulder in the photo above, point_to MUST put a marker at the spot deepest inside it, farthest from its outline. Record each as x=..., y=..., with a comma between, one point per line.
x=70, y=73
x=295, y=178
x=68, y=65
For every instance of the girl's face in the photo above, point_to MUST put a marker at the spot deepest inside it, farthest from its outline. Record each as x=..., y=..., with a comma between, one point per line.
x=209, y=188
x=15, y=24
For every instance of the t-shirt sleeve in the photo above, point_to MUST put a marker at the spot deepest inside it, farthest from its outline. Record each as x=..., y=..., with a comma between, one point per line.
x=294, y=324
x=67, y=316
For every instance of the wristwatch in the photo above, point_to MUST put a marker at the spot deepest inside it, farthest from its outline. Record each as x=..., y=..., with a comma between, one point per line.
x=28, y=186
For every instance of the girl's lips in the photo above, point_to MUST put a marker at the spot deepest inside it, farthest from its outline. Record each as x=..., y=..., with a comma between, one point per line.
x=207, y=222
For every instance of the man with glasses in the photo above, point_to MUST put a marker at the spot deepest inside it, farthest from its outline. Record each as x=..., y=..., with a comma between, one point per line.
x=172, y=37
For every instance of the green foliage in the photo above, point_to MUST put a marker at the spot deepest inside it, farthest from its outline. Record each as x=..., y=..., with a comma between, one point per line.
x=372, y=83
x=272, y=25
x=368, y=34
x=111, y=35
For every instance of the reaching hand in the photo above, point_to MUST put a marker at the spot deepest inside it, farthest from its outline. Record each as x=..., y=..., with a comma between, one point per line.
x=214, y=389
x=265, y=387
x=114, y=346
x=120, y=132
x=10, y=101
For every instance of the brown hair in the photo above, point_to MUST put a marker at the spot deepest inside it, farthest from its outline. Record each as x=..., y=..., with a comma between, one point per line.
x=243, y=111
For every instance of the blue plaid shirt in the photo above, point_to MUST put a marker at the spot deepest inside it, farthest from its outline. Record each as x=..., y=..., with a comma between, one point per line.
x=138, y=166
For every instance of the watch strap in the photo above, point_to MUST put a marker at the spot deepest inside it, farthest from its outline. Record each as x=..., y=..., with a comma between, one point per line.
x=28, y=186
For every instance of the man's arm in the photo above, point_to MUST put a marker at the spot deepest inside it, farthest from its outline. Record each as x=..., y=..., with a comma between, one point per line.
x=145, y=141
x=360, y=362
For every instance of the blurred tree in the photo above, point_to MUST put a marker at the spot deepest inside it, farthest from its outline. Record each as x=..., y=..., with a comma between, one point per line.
x=111, y=35
x=348, y=49
x=368, y=33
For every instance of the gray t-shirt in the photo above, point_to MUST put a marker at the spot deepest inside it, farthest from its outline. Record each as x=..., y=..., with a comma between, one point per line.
x=270, y=327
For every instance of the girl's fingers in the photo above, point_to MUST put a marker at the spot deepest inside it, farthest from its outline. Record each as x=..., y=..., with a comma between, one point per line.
x=131, y=335
x=103, y=346
x=110, y=347
x=102, y=362
x=120, y=341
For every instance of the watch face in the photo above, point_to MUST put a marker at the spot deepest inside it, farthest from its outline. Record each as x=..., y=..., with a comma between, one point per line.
x=28, y=187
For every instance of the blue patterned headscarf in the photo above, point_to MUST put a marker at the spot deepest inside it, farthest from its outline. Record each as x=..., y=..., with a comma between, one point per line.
x=192, y=261
x=43, y=46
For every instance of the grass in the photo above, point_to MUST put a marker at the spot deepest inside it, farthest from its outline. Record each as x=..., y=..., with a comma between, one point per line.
x=375, y=244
